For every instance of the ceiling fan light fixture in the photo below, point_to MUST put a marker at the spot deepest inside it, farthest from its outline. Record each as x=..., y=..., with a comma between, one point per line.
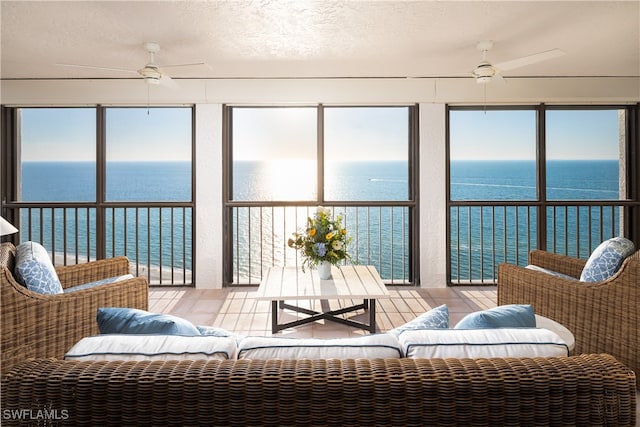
x=151, y=74
x=484, y=72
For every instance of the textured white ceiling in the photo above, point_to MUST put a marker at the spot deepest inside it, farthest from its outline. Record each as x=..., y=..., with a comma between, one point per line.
x=326, y=38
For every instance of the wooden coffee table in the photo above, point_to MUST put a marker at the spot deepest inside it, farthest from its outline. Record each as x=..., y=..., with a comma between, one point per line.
x=282, y=284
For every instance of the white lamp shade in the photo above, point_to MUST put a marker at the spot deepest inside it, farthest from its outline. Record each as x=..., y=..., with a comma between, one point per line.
x=6, y=227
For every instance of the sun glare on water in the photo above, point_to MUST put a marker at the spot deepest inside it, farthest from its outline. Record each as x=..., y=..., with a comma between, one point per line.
x=292, y=179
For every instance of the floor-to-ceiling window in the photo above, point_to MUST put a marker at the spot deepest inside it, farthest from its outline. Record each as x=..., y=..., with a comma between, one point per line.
x=98, y=182
x=586, y=159
x=521, y=178
x=492, y=181
x=283, y=162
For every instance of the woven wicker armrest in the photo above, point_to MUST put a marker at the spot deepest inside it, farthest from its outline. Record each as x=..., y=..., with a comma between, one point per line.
x=78, y=274
x=34, y=325
x=586, y=390
x=550, y=295
x=132, y=292
x=555, y=262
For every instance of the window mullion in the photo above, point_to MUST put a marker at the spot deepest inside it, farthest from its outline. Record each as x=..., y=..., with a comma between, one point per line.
x=101, y=168
x=320, y=155
x=541, y=181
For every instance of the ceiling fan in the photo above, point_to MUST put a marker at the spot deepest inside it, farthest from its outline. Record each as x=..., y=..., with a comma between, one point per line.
x=152, y=73
x=485, y=72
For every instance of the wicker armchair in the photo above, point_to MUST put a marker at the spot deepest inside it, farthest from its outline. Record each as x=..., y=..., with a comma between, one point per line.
x=44, y=326
x=603, y=316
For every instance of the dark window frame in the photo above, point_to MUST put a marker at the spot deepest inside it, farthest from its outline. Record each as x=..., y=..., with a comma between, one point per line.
x=631, y=204
x=10, y=205
x=413, y=183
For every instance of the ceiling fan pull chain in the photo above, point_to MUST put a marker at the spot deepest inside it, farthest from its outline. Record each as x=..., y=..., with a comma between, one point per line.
x=485, y=99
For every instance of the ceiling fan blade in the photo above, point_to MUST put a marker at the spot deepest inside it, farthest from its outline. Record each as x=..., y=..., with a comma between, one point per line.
x=439, y=75
x=168, y=82
x=498, y=78
x=195, y=64
x=528, y=60
x=97, y=68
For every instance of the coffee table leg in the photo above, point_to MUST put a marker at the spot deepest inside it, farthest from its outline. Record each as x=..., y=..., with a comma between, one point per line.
x=274, y=316
x=368, y=304
x=372, y=315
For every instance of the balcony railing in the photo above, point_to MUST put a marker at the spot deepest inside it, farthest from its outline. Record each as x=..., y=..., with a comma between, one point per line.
x=486, y=234
x=156, y=237
x=259, y=233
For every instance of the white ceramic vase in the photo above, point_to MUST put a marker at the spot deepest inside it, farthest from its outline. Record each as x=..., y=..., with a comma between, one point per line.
x=324, y=270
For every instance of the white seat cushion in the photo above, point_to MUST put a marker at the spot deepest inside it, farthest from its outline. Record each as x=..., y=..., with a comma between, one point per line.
x=100, y=282
x=552, y=325
x=551, y=272
x=475, y=343
x=369, y=347
x=153, y=347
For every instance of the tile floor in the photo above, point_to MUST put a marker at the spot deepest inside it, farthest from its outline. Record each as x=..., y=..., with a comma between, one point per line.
x=235, y=309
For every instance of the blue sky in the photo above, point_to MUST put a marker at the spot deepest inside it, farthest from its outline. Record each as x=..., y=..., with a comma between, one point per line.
x=586, y=134
x=274, y=133
x=50, y=134
x=158, y=134
x=164, y=134
x=351, y=133
x=511, y=135
x=69, y=134
x=366, y=133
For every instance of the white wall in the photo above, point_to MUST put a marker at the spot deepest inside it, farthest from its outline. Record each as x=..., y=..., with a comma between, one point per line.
x=208, y=222
x=433, y=196
x=330, y=91
x=209, y=95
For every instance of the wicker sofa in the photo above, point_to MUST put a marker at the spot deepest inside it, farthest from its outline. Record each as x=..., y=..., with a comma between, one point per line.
x=593, y=390
x=603, y=316
x=35, y=325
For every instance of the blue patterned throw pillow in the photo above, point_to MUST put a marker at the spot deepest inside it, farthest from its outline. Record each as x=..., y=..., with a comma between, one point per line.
x=35, y=270
x=606, y=259
x=437, y=318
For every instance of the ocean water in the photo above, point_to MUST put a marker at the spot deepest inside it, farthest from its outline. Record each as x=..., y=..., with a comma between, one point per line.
x=156, y=237
x=482, y=237
x=343, y=181
x=516, y=180
x=125, y=181
x=380, y=235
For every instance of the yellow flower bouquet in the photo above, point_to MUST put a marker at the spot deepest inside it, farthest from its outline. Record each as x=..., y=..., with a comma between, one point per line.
x=323, y=239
